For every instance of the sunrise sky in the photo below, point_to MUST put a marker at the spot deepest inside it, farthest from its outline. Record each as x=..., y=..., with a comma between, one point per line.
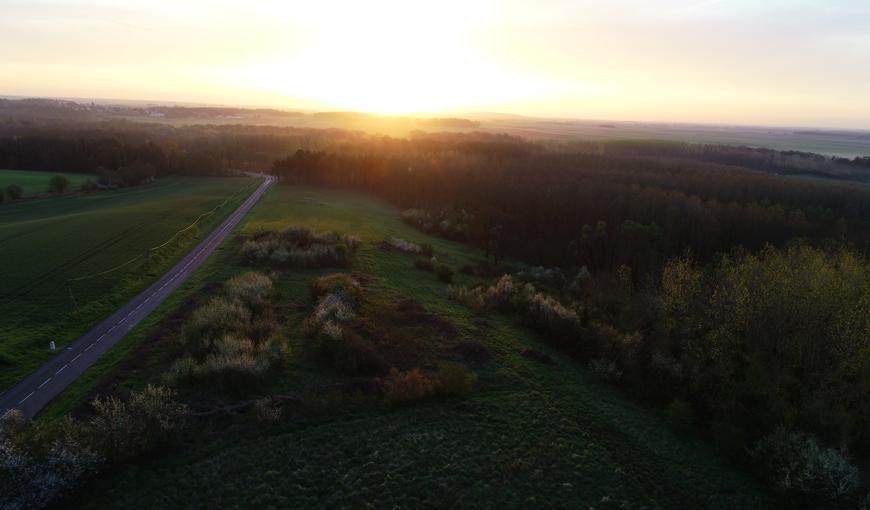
x=775, y=62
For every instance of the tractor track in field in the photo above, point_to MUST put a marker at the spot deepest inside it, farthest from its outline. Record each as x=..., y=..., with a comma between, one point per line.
x=29, y=286
x=26, y=288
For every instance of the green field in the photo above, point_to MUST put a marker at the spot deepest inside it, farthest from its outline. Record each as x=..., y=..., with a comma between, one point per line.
x=529, y=435
x=34, y=183
x=45, y=243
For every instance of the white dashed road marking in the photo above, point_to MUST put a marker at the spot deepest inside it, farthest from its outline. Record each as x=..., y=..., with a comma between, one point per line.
x=195, y=257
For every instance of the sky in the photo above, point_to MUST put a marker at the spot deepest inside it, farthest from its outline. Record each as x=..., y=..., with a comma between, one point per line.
x=750, y=62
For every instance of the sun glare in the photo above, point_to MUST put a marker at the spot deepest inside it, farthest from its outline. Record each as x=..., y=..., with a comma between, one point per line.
x=390, y=58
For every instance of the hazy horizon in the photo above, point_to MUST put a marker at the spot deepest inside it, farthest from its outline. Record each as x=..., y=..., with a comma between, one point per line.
x=787, y=63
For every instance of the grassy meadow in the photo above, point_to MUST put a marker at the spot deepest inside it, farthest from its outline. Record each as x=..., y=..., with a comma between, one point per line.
x=57, y=257
x=34, y=183
x=530, y=433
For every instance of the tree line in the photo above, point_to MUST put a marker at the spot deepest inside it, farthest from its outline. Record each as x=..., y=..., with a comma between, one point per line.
x=571, y=209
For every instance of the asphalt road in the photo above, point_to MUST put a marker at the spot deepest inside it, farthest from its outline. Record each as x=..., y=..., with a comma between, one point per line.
x=37, y=390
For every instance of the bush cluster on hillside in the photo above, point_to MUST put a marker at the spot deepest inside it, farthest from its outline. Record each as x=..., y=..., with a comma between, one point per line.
x=14, y=192
x=42, y=463
x=232, y=339
x=451, y=379
x=442, y=271
x=394, y=243
x=535, y=308
x=330, y=327
x=449, y=224
x=300, y=247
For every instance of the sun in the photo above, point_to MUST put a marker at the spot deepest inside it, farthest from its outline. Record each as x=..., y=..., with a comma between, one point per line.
x=390, y=58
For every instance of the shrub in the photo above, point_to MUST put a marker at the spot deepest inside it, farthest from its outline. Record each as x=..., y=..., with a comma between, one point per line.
x=333, y=283
x=444, y=273
x=58, y=184
x=425, y=265
x=35, y=480
x=604, y=370
x=448, y=223
x=89, y=186
x=453, y=379
x=265, y=411
x=299, y=247
x=404, y=387
x=250, y=289
x=347, y=353
x=14, y=192
x=233, y=361
x=549, y=277
x=125, y=430
x=213, y=320
x=337, y=307
x=795, y=463
x=403, y=246
x=467, y=269
x=11, y=423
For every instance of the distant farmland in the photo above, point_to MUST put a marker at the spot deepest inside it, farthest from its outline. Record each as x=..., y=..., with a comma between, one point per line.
x=104, y=237
x=34, y=183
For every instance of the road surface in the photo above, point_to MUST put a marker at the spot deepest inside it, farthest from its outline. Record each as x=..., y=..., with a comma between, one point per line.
x=37, y=390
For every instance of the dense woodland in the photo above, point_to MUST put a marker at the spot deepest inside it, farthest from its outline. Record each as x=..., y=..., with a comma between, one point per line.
x=564, y=208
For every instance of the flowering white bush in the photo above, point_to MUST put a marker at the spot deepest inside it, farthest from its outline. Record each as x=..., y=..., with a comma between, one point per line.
x=266, y=411
x=213, y=319
x=332, y=330
x=11, y=422
x=299, y=247
x=30, y=481
x=250, y=288
x=126, y=429
x=795, y=462
x=404, y=246
x=454, y=224
x=232, y=358
x=335, y=307
x=508, y=295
